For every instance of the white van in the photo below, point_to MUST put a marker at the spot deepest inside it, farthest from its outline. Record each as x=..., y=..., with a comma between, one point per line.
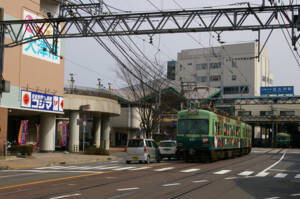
x=142, y=150
x=167, y=148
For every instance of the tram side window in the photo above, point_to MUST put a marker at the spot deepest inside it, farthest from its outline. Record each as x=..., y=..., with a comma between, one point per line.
x=237, y=131
x=220, y=128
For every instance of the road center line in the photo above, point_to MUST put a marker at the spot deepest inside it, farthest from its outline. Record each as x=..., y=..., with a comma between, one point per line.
x=273, y=165
x=222, y=172
x=66, y=196
x=128, y=189
x=295, y=194
x=164, y=169
x=199, y=181
x=173, y=184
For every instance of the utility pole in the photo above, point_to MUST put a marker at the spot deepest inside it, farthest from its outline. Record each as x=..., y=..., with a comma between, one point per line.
x=2, y=35
x=99, y=83
x=72, y=82
x=109, y=86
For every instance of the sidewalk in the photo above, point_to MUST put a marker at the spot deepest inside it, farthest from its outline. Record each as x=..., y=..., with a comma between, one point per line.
x=57, y=158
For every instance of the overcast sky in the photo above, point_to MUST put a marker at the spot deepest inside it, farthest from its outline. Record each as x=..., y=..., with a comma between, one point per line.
x=89, y=61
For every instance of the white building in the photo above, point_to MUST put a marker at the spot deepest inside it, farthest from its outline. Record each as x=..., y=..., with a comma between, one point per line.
x=232, y=67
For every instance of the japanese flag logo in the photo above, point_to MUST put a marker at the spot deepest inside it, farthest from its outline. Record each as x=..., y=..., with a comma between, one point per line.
x=26, y=99
x=61, y=104
x=55, y=103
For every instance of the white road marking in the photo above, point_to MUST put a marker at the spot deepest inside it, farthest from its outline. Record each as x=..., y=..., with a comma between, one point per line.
x=246, y=173
x=57, y=171
x=231, y=178
x=128, y=189
x=103, y=167
x=164, y=169
x=261, y=174
x=270, y=167
x=141, y=168
x=280, y=175
x=53, y=167
x=297, y=176
x=115, y=161
x=295, y=194
x=124, y=168
x=189, y=170
x=200, y=181
x=273, y=198
x=22, y=174
x=66, y=196
x=168, y=185
x=222, y=172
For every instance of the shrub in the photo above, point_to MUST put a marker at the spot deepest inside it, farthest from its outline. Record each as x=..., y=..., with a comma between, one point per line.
x=22, y=149
x=92, y=150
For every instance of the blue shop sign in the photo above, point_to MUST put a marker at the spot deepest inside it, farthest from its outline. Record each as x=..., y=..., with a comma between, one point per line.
x=277, y=90
x=41, y=101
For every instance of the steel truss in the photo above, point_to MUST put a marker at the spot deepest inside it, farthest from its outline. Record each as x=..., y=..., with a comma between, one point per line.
x=218, y=20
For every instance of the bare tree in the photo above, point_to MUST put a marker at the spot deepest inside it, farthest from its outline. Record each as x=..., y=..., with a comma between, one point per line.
x=144, y=86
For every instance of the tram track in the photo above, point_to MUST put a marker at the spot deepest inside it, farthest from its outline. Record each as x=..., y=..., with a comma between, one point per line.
x=236, y=162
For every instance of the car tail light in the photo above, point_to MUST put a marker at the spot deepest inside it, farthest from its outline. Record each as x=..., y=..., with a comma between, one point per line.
x=125, y=149
x=145, y=149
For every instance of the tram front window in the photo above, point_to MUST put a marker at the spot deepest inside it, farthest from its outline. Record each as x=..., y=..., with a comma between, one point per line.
x=193, y=126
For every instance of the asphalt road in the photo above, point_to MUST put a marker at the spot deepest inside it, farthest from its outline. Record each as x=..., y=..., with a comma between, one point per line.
x=264, y=173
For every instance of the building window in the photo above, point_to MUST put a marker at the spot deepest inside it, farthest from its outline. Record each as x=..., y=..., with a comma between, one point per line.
x=244, y=113
x=230, y=90
x=287, y=113
x=201, y=79
x=189, y=64
x=201, y=66
x=215, y=78
x=180, y=67
x=266, y=113
x=215, y=65
x=233, y=77
x=233, y=64
x=264, y=79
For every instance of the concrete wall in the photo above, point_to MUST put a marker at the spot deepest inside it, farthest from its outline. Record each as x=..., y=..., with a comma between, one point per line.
x=3, y=128
x=97, y=104
x=129, y=118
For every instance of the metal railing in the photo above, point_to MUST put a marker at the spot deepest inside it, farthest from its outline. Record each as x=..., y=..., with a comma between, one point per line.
x=98, y=92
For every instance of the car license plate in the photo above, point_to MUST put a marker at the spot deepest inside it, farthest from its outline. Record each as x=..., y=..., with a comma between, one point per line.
x=135, y=158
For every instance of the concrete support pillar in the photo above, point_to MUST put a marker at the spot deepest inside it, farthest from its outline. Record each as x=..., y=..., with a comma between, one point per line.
x=74, y=132
x=106, y=132
x=47, y=132
x=97, y=131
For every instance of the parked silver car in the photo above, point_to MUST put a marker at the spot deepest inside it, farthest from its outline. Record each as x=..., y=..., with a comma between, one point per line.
x=142, y=150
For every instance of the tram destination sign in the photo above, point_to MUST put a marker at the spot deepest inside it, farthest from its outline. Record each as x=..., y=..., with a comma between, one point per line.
x=277, y=90
x=41, y=101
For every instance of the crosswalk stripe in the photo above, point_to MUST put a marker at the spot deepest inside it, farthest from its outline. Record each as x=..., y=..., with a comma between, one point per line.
x=199, y=181
x=222, y=172
x=141, y=168
x=168, y=185
x=280, y=175
x=189, y=170
x=262, y=174
x=246, y=173
x=124, y=168
x=164, y=169
x=297, y=176
x=104, y=168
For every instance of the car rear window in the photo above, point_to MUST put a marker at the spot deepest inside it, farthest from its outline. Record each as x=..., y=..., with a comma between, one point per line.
x=167, y=144
x=135, y=143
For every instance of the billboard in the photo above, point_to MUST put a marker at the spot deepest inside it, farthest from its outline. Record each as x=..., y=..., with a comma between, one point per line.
x=41, y=101
x=277, y=90
x=38, y=49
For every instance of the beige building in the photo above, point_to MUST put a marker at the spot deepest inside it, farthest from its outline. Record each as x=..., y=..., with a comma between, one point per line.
x=231, y=67
x=36, y=78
